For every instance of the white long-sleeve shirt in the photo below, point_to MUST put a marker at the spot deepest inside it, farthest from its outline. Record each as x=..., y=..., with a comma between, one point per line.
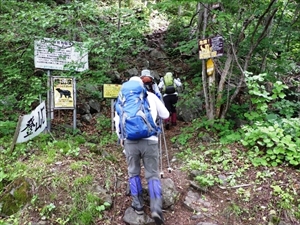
x=157, y=108
x=157, y=91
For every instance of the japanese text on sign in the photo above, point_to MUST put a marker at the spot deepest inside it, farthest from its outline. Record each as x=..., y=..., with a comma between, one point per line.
x=211, y=47
x=32, y=124
x=111, y=90
x=60, y=55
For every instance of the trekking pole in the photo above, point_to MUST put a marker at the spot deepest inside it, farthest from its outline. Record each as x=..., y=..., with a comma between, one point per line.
x=166, y=148
x=160, y=156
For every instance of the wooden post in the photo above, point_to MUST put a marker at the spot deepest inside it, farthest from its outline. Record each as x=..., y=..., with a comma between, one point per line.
x=16, y=134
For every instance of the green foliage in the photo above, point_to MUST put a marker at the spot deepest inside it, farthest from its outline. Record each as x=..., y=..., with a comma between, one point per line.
x=207, y=180
x=176, y=39
x=259, y=96
x=269, y=137
x=86, y=208
x=287, y=196
x=271, y=142
x=202, y=158
x=287, y=108
x=12, y=220
x=85, y=180
x=104, y=128
x=24, y=22
x=67, y=148
x=103, y=124
x=235, y=209
x=187, y=153
x=220, y=128
x=183, y=138
x=47, y=210
x=7, y=128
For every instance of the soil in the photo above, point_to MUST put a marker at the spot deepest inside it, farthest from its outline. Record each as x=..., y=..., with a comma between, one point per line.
x=179, y=214
x=227, y=207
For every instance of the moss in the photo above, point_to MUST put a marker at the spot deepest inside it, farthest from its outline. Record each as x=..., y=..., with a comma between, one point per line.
x=16, y=196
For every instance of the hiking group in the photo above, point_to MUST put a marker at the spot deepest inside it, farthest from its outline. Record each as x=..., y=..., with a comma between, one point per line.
x=139, y=111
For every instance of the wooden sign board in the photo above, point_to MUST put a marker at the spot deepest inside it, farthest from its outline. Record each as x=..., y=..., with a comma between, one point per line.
x=211, y=47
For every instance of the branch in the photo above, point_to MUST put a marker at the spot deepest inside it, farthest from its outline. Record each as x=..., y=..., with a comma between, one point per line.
x=260, y=19
x=191, y=21
x=237, y=186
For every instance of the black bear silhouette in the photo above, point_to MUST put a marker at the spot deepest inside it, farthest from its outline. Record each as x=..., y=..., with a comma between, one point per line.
x=65, y=93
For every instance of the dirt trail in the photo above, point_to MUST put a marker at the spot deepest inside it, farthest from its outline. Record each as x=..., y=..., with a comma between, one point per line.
x=179, y=214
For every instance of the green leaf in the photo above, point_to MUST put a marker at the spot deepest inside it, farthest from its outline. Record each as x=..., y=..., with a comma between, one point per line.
x=274, y=164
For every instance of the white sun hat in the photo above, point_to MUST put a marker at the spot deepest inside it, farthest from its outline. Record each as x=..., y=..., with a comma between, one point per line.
x=146, y=73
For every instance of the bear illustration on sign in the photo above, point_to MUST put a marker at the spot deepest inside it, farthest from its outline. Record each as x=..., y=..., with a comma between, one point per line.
x=65, y=93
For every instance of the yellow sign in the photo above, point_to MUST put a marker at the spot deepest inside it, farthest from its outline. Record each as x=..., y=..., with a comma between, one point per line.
x=63, y=93
x=206, y=50
x=111, y=90
x=210, y=68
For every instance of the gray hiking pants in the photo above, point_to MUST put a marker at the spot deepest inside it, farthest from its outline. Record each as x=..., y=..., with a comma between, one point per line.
x=148, y=152
x=144, y=149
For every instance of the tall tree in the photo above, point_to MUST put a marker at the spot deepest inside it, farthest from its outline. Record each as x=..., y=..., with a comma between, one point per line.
x=258, y=37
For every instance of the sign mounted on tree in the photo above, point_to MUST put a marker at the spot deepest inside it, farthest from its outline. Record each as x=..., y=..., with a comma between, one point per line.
x=211, y=47
x=60, y=55
x=210, y=68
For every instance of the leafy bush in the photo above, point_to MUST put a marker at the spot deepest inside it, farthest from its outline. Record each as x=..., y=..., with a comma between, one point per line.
x=273, y=143
x=271, y=139
x=7, y=128
x=177, y=36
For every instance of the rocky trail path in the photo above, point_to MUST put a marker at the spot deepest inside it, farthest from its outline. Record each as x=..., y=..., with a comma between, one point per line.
x=179, y=214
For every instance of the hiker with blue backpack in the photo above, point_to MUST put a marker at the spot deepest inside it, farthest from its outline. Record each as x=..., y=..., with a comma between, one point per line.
x=136, y=112
x=169, y=85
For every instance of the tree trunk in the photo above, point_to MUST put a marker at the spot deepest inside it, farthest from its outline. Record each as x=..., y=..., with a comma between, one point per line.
x=204, y=75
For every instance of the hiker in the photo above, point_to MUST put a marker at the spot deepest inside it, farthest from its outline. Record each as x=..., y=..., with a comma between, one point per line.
x=145, y=149
x=168, y=84
x=150, y=84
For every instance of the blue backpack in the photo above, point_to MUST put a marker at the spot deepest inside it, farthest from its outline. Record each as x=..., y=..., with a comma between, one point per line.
x=133, y=109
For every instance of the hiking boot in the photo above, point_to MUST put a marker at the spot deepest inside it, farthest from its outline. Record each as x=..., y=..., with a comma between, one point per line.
x=138, y=211
x=167, y=126
x=158, y=218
